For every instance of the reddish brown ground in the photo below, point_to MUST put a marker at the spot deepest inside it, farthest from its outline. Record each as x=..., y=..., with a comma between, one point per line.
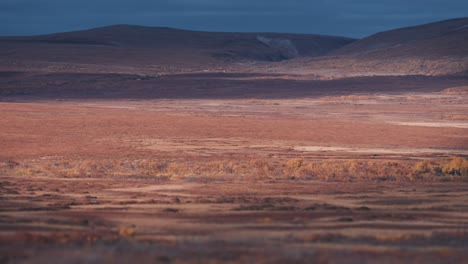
x=124, y=220
x=132, y=129
x=147, y=218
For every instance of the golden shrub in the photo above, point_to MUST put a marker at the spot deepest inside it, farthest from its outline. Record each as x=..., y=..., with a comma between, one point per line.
x=456, y=166
x=294, y=164
x=421, y=167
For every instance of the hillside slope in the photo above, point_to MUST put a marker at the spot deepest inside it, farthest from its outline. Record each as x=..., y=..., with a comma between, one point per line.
x=438, y=48
x=440, y=39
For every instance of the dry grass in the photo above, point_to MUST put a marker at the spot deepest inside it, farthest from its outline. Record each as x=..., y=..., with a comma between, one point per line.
x=455, y=168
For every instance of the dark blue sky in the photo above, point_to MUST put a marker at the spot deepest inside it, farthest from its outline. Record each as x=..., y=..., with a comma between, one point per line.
x=354, y=18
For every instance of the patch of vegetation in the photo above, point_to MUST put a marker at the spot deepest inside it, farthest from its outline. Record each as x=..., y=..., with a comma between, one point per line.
x=454, y=168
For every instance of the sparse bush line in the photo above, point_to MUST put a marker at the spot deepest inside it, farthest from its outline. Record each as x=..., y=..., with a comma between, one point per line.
x=454, y=168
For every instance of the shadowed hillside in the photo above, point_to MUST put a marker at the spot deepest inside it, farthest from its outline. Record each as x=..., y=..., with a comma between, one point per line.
x=138, y=46
x=432, y=49
x=91, y=59
x=434, y=40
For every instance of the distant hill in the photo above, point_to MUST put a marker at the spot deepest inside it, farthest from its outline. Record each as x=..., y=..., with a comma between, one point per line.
x=161, y=48
x=435, y=40
x=432, y=49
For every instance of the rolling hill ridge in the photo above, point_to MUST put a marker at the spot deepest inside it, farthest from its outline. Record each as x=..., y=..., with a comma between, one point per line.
x=125, y=45
x=432, y=49
x=150, y=62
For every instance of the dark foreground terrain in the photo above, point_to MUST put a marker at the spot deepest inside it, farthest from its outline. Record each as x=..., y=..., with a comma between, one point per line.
x=146, y=220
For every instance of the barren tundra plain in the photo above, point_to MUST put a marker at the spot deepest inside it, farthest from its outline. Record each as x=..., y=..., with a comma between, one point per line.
x=136, y=144
x=358, y=170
